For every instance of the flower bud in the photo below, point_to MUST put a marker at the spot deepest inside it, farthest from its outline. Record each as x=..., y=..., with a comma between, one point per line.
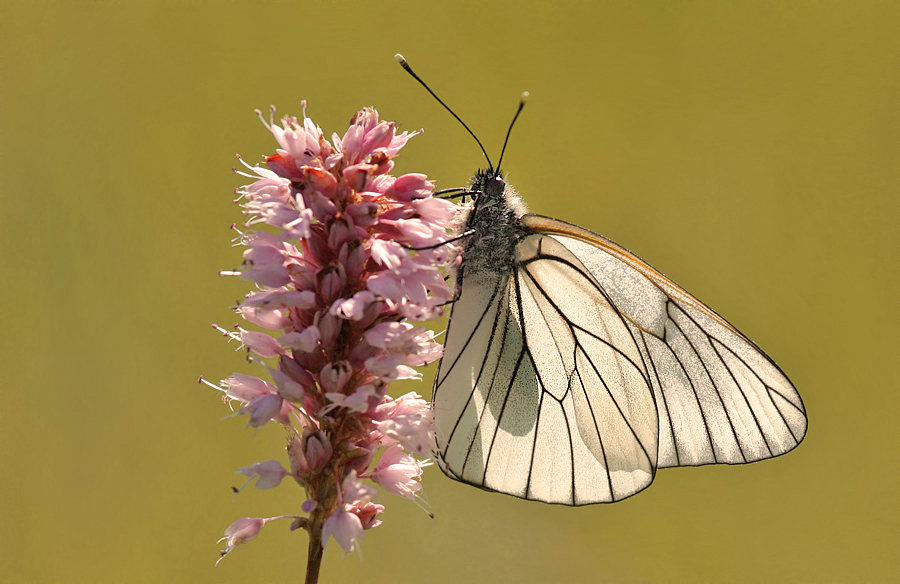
x=358, y=457
x=364, y=214
x=357, y=176
x=353, y=256
x=284, y=166
x=312, y=361
x=317, y=248
x=410, y=187
x=302, y=277
x=334, y=376
x=361, y=353
x=342, y=231
x=368, y=514
x=320, y=180
x=331, y=283
x=378, y=137
x=309, y=453
x=292, y=369
x=317, y=449
x=381, y=162
x=329, y=327
x=265, y=265
x=305, y=341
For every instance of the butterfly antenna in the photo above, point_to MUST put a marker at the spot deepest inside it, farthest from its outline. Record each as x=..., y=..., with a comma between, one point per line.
x=522, y=101
x=409, y=70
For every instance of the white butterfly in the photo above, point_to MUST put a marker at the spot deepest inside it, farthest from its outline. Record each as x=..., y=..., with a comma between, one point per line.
x=573, y=370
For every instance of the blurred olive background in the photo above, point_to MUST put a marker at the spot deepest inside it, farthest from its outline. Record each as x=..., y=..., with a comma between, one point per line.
x=748, y=150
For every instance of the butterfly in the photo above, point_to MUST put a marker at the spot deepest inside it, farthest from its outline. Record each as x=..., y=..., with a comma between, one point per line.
x=573, y=370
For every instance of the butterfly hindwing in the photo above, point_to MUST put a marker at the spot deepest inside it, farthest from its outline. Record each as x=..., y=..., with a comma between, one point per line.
x=561, y=408
x=599, y=376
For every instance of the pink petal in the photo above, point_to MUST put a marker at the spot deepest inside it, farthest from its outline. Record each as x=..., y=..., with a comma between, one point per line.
x=269, y=473
x=345, y=527
x=245, y=387
x=262, y=344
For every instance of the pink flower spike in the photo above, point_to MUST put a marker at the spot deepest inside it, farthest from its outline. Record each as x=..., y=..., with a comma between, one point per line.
x=378, y=137
x=268, y=474
x=387, y=285
x=419, y=232
x=410, y=404
x=346, y=528
x=400, y=141
x=345, y=258
x=389, y=368
x=364, y=214
x=389, y=335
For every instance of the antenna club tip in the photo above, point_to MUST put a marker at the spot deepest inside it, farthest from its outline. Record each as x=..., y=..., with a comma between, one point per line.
x=400, y=59
x=525, y=96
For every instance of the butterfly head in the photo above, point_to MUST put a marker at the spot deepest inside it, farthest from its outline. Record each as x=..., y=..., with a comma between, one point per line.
x=493, y=225
x=487, y=185
x=494, y=199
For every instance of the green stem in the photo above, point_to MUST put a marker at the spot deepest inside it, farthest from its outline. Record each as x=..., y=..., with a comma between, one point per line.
x=314, y=559
x=324, y=494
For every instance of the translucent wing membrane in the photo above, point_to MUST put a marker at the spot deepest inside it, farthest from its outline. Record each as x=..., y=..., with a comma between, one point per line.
x=561, y=408
x=574, y=377
x=720, y=398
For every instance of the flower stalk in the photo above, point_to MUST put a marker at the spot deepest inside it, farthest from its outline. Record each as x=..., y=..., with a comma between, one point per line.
x=330, y=243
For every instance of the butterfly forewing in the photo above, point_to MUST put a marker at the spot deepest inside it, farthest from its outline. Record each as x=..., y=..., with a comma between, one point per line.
x=720, y=398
